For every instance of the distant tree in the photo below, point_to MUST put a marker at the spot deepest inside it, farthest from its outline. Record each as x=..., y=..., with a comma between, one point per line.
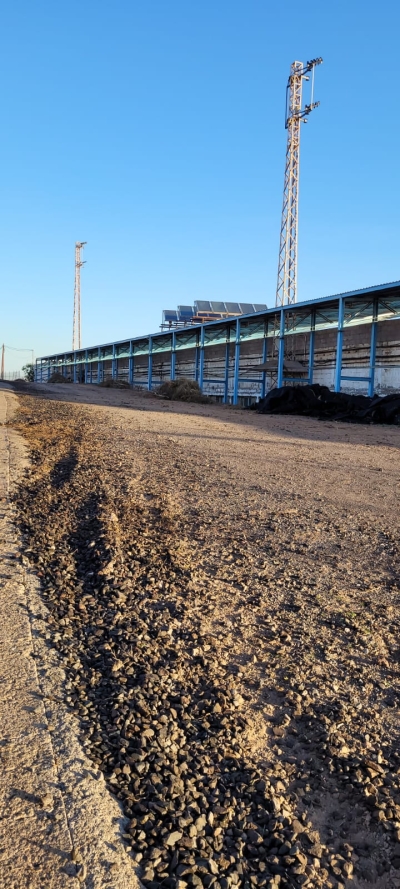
x=28, y=371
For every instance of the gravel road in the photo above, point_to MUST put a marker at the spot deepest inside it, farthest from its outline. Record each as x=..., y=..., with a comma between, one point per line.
x=222, y=590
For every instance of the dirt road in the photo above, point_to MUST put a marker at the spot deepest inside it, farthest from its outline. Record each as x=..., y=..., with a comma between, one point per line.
x=222, y=590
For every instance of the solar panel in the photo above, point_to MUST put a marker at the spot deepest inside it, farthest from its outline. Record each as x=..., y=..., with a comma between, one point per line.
x=247, y=308
x=259, y=307
x=202, y=306
x=217, y=307
x=170, y=315
x=185, y=312
x=234, y=308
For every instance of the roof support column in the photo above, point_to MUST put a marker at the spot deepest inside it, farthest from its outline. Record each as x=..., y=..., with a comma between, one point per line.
x=114, y=363
x=86, y=368
x=311, y=349
x=237, y=364
x=281, y=348
x=372, y=351
x=131, y=364
x=150, y=369
x=173, y=356
x=201, y=362
x=339, y=346
x=226, y=381
x=75, y=371
x=99, y=365
x=264, y=359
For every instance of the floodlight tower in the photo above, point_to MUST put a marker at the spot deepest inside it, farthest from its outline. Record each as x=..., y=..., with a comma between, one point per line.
x=76, y=331
x=295, y=115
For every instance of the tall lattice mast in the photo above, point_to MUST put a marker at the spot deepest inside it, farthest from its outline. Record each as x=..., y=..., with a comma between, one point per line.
x=295, y=114
x=76, y=331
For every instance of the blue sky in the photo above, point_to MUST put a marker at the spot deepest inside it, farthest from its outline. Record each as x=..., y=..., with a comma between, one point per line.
x=154, y=130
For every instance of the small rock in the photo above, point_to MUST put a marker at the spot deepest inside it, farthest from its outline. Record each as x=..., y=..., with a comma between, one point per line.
x=173, y=837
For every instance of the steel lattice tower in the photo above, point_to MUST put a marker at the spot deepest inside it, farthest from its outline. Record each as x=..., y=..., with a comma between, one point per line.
x=295, y=115
x=76, y=330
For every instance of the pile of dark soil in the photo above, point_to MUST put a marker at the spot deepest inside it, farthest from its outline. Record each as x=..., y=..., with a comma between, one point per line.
x=115, y=384
x=58, y=378
x=182, y=390
x=319, y=401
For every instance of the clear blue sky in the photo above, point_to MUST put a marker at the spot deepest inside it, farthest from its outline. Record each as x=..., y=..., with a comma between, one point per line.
x=153, y=130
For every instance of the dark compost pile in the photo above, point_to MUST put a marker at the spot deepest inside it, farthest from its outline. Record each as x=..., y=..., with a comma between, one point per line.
x=319, y=401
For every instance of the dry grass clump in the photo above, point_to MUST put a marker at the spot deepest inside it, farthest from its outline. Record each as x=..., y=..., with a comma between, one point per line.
x=182, y=390
x=115, y=384
x=58, y=378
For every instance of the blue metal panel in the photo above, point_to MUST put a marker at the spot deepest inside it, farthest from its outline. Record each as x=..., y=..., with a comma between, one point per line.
x=356, y=379
x=339, y=346
x=237, y=364
x=173, y=357
x=281, y=348
x=150, y=373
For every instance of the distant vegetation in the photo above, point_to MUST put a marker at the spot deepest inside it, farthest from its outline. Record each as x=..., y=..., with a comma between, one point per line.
x=28, y=372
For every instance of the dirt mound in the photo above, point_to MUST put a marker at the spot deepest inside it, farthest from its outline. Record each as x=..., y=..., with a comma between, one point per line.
x=319, y=401
x=115, y=384
x=182, y=390
x=58, y=378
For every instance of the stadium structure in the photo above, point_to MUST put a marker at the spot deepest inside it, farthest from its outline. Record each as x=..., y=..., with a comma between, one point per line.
x=349, y=342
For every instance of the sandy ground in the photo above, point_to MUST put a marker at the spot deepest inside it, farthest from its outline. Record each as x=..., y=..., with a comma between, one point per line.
x=59, y=826
x=287, y=532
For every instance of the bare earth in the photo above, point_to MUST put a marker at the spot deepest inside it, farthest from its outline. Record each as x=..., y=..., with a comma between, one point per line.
x=273, y=542
x=59, y=827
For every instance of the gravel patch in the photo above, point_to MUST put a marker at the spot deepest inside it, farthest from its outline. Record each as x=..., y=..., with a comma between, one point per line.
x=223, y=594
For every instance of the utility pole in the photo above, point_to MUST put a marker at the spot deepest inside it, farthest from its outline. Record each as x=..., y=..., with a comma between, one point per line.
x=286, y=290
x=3, y=348
x=76, y=331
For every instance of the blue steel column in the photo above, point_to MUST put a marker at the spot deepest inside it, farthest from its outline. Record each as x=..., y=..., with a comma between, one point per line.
x=311, y=350
x=201, y=365
x=114, y=364
x=150, y=373
x=75, y=368
x=99, y=365
x=281, y=350
x=86, y=366
x=131, y=365
x=372, y=353
x=237, y=363
x=339, y=346
x=264, y=358
x=196, y=361
x=173, y=356
x=226, y=382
